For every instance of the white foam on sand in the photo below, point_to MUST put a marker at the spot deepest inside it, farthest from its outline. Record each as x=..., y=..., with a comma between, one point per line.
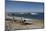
x=18, y=18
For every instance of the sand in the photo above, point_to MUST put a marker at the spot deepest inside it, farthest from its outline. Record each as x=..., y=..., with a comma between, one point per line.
x=9, y=25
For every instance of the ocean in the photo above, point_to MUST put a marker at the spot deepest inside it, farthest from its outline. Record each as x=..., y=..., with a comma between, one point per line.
x=29, y=15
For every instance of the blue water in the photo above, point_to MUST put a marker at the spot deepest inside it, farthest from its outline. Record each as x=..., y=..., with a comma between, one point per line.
x=29, y=15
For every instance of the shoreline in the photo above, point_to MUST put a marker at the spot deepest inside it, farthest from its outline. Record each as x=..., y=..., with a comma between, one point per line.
x=20, y=18
x=16, y=25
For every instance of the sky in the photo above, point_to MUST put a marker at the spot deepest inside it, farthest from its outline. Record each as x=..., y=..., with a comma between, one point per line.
x=16, y=6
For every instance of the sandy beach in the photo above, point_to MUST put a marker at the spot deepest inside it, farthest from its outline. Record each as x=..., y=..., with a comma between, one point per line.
x=9, y=25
